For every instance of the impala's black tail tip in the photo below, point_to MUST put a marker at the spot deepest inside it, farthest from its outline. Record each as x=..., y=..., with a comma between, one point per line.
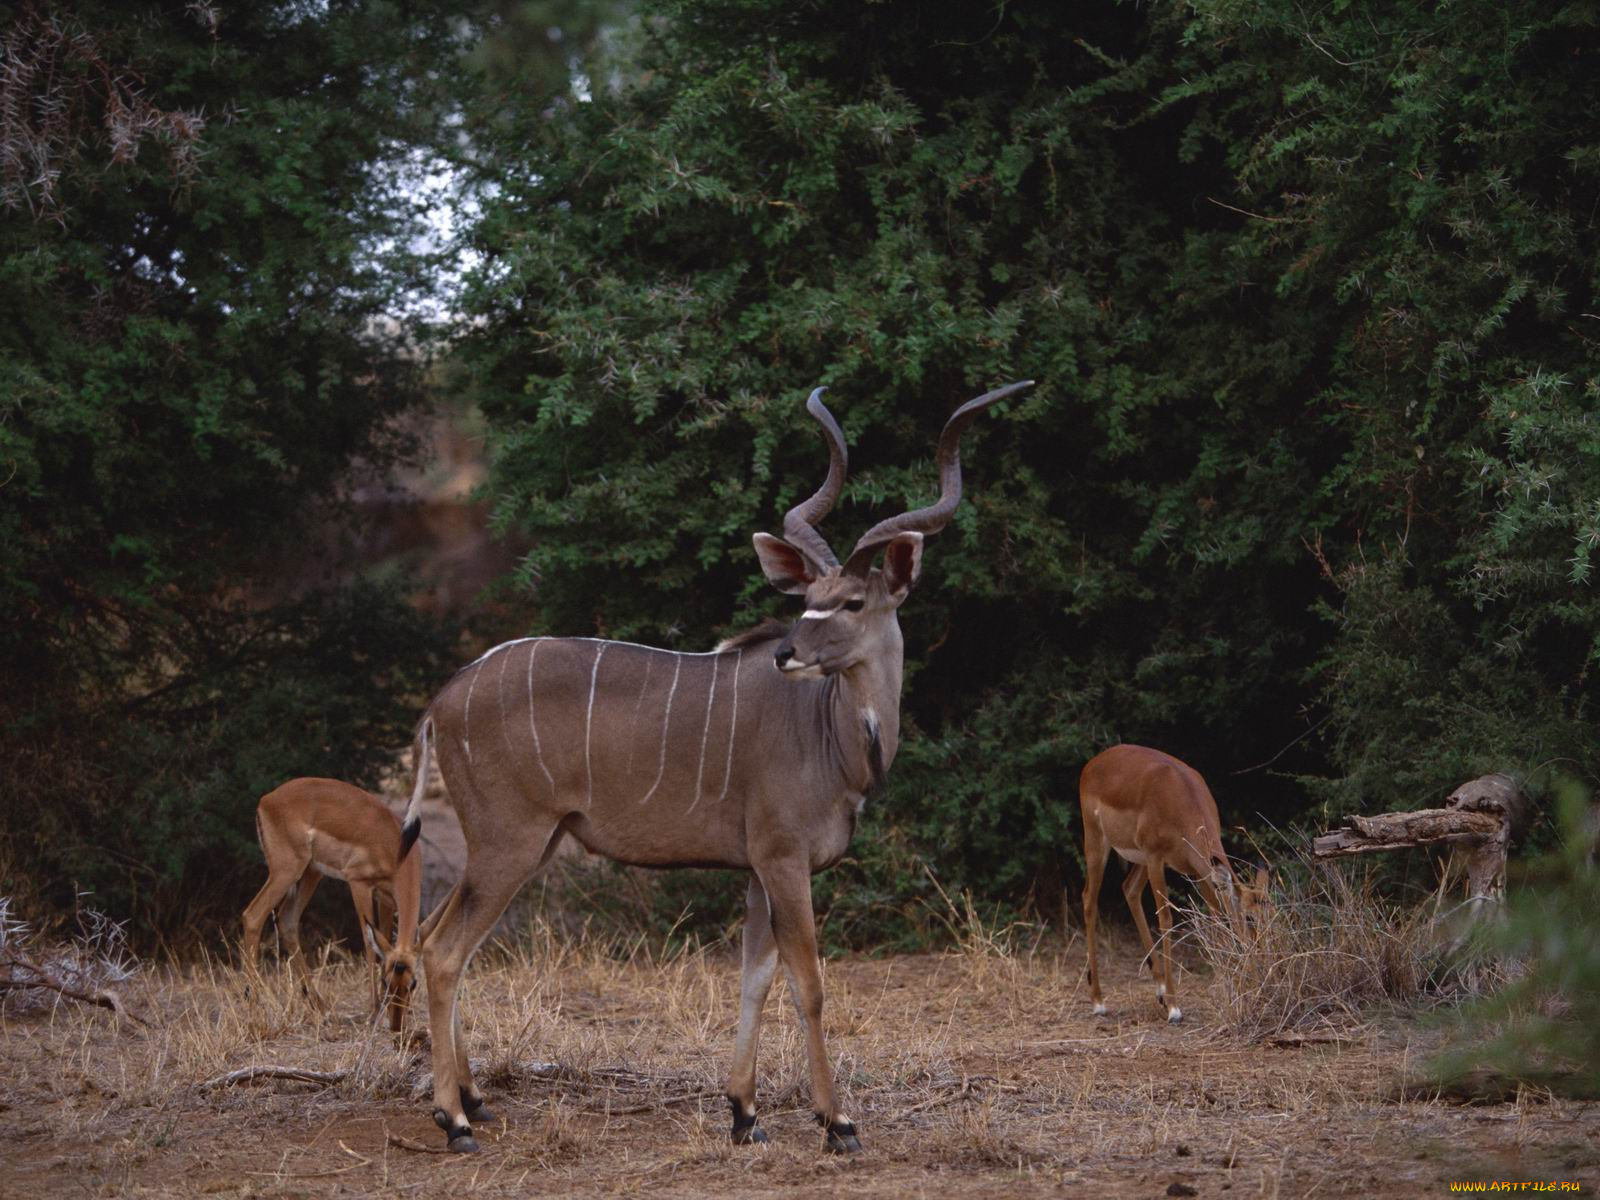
x=409, y=833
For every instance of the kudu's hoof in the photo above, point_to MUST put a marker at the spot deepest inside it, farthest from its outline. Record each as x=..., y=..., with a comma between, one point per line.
x=842, y=1139
x=476, y=1109
x=459, y=1137
x=745, y=1130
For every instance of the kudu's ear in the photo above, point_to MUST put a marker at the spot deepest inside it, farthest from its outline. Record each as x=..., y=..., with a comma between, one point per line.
x=786, y=568
x=902, y=565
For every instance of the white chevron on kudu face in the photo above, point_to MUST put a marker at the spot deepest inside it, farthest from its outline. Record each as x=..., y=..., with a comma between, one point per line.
x=622, y=754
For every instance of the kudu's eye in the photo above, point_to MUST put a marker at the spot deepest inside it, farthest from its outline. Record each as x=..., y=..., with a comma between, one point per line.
x=854, y=605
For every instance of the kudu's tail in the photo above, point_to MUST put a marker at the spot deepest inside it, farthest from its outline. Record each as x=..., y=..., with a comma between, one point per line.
x=421, y=747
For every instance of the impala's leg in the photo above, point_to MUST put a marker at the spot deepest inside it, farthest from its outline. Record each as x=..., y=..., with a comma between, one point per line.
x=285, y=865
x=494, y=873
x=1208, y=893
x=1133, y=892
x=289, y=928
x=760, y=962
x=1165, y=992
x=367, y=912
x=255, y=914
x=794, y=925
x=391, y=996
x=1095, y=852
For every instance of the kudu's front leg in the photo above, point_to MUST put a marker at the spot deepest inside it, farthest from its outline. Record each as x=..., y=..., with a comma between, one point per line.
x=788, y=888
x=760, y=964
x=494, y=873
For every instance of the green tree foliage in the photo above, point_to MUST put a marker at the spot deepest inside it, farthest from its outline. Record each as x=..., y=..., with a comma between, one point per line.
x=1416, y=189
x=1310, y=302
x=204, y=239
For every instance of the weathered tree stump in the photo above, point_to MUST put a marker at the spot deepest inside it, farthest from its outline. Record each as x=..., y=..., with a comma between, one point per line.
x=1478, y=823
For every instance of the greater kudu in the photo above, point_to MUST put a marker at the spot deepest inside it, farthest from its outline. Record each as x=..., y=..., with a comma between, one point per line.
x=757, y=755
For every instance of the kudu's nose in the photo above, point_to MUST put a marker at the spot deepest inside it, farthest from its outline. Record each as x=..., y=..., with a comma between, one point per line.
x=784, y=654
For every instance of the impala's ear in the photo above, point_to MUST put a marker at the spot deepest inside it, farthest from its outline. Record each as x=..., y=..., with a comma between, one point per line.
x=380, y=945
x=902, y=565
x=786, y=568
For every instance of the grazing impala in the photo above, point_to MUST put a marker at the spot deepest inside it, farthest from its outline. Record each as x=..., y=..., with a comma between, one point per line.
x=757, y=756
x=309, y=828
x=1156, y=812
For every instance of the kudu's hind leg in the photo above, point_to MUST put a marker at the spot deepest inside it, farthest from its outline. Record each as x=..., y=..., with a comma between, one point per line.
x=788, y=888
x=760, y=964
x=494, y=874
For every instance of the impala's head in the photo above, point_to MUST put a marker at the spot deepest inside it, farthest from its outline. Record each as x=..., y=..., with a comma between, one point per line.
x=1245, y=893
x=398, y=970
x=1255, y=897
x=850, y=609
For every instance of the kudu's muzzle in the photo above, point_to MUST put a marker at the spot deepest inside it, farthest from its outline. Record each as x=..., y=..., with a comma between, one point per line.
x=796, y=662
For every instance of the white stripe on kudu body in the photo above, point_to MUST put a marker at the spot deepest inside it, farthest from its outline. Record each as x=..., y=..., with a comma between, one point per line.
x=533, y=727
x=588, y=724
x=666, y=721
x=476, y=666
x=813, y=723
x=733, y=725
x=705, y=732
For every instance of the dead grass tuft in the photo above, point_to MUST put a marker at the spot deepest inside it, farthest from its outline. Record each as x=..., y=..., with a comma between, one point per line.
x=1323, y=952
x=982, y=1133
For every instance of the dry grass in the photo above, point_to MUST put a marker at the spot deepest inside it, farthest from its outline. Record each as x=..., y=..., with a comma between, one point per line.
x=973, y=1073
x=1325, y=952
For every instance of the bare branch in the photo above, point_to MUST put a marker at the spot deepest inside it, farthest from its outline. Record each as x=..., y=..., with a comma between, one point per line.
x=297, y=1074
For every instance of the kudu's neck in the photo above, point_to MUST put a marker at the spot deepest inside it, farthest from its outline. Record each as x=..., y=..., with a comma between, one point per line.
x=865, y=711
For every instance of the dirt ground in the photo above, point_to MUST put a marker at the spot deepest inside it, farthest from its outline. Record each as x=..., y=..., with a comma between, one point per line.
x=973, y=1074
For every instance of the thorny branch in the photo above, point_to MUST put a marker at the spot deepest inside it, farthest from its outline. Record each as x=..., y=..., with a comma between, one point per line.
x=79, y=971
x=56, y=83
x=104, y=997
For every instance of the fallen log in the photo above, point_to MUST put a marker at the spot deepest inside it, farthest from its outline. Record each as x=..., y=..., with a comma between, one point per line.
x=1394, y=831
x=1478, y=823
